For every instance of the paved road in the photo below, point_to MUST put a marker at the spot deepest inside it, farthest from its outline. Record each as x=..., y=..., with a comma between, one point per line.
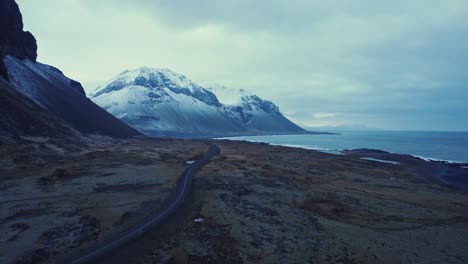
x=183, y=189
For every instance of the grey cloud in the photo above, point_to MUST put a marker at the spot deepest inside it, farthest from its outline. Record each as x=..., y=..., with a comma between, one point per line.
x=395, y=64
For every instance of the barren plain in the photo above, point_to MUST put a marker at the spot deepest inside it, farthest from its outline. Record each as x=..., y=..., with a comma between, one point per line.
x=254, y=203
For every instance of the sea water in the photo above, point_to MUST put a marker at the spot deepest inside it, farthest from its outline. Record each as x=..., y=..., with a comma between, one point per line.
x=447, y=146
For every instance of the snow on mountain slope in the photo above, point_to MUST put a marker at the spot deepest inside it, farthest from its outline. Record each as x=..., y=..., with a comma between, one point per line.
x=156, y=79
x=227, y=95
x=161, y=102
x=255, y=113
x=154, y=110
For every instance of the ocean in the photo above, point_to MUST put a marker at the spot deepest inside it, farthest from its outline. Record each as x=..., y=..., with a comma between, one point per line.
x=446, y=146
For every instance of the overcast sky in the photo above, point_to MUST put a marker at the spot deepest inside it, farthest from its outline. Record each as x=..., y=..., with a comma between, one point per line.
x=400, y=65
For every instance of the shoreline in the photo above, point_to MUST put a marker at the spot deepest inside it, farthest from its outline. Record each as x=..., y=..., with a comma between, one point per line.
x=451, y=174
x=341, y=150
x=179, y=135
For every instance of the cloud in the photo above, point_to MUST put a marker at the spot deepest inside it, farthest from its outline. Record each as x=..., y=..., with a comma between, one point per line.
x=395, y=65
x=324, y=115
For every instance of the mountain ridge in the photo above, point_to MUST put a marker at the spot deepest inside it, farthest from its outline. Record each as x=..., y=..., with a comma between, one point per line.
x=158, y=101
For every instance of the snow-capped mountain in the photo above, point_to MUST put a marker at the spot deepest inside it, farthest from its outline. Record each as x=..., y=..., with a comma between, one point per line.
x=258, y=115
x=162, y=102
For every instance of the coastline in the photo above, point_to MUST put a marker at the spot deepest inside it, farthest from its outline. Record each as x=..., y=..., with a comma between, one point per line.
x=449, y=173
x=301, y=205
x=339, y=151
x=189, y=135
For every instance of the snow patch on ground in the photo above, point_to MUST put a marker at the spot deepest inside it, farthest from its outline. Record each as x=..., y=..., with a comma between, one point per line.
x=383, y=161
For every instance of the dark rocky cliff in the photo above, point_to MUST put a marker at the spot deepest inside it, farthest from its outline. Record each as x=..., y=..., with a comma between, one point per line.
x=13, y=39
x=36, y=97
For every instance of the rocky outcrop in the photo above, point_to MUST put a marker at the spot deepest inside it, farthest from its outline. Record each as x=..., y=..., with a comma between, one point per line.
x=13, y=40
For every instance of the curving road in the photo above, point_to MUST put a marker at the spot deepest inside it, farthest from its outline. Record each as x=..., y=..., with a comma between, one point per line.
x=183, y=189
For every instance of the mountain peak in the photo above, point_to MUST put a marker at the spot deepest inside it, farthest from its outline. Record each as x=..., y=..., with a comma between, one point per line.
x=159, y=82
x=145, y=70
x=151, y=78
x=161, y=102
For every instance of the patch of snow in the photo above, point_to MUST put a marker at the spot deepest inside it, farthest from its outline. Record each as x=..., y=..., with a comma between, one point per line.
x=163, y=109
x=190, y=162
x=383, y=161
x=122, y=115
x=199, y=220
x=227, y=95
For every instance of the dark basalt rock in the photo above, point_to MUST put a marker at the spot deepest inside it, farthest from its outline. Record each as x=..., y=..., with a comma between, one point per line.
x=13, y=40
x=21, y=116
x=367, y=151
x=73, y=84
x=77, y=86
x=3, y=70
x=59, y=107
